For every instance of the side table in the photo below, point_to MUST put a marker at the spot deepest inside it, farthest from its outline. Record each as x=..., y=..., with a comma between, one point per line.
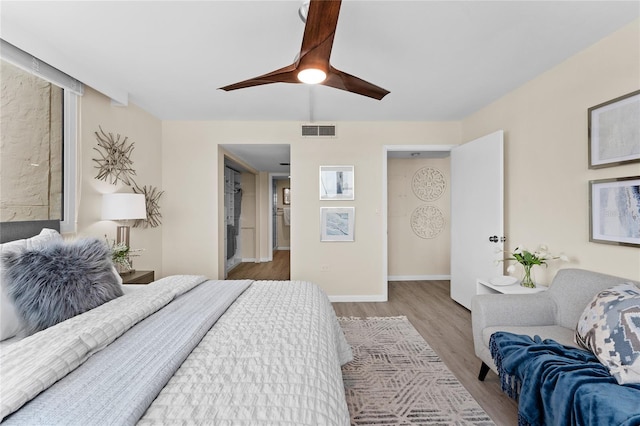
x=138, y=277
x=485, y=287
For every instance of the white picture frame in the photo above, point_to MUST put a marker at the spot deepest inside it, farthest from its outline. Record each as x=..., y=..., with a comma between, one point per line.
x=337, y=183
x=337, y=223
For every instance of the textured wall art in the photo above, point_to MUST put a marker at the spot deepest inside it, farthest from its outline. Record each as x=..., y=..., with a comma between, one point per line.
x=427, y=221
x=114, y=163
x=428, y=184
x=152, y=200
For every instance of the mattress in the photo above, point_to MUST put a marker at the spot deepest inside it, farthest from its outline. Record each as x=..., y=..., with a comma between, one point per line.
x=185, y=350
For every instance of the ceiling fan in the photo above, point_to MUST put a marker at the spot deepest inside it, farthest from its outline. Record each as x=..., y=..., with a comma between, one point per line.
x=312, y=64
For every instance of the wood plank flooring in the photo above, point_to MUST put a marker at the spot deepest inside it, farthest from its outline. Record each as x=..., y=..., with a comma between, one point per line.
x=278, y=269
x=444, y=324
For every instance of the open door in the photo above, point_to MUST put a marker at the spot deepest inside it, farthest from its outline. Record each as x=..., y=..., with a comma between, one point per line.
x=477, y=214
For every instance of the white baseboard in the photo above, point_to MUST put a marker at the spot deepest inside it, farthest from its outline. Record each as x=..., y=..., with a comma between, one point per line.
x=418, y=277
x=366, y=298
x=283, y=248
x=248, y=259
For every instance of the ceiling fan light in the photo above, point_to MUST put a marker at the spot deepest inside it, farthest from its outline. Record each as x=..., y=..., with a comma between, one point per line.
x=312, y=76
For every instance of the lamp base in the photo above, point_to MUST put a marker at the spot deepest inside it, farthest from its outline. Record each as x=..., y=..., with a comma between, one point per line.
x=122, y=235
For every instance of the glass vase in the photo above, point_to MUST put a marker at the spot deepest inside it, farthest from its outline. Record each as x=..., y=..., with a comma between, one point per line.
x=527, y=278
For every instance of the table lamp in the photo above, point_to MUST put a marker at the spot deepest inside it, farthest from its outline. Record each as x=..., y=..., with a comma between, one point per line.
x=123, y=206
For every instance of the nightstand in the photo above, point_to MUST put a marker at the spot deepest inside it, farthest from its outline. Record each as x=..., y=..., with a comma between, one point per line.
x=138, y=277
x=485, y=287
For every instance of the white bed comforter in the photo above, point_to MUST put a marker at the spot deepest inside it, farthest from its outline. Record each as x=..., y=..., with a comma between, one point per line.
x=273, y=358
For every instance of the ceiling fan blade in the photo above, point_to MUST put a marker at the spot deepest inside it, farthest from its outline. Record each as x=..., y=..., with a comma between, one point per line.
x=341, y=80
x=317, y=42
x=319, y=32
x=283, y=75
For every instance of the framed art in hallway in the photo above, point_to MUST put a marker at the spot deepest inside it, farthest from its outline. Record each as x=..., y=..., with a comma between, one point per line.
x=336, y=183
x=615, y=211
x=286, y=196
x=614, y=131
x=337, y=223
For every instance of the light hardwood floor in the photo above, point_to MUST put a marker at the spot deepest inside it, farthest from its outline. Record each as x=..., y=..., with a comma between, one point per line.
x=444, y=324
x=278, y=269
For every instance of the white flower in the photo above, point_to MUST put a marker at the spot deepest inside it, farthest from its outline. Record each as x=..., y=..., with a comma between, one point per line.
x=511, y=269
x=518, y=250
x=564, y=258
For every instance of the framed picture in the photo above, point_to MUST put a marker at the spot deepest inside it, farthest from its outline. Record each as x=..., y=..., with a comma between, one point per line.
x=615, y=211
x=614, y=132
x=286, y=196
x=337, y=223
x=336, y=183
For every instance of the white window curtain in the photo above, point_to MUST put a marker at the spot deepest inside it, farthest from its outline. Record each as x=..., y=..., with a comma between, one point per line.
x=29, y=63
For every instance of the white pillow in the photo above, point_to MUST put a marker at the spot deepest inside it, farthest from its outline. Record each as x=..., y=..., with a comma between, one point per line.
x=10, y=322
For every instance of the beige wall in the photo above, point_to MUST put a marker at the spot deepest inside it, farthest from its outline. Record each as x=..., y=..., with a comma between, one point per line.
x=354, y=269
x=248, y=234
x=410, y=256
x=145, y=131
x=263, y=217
x=351, y=270
x=283, y=231
x=546, y=174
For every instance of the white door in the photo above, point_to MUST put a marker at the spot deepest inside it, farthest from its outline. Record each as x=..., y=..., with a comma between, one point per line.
x=477, y=214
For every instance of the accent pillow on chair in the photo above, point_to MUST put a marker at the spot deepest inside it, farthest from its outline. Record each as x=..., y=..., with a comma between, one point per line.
x=610, y=328
x=59, y=281
x=10, y=322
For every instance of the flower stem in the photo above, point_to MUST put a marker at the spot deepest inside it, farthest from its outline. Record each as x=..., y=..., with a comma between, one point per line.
x=526, y=280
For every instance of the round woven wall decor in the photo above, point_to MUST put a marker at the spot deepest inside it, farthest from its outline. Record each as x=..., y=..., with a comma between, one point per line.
x=427, y=221
x=428, y=184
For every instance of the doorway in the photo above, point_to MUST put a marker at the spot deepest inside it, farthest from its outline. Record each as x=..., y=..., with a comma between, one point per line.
x=477, y=210
x=280, y=211
x=265, y=173
x=418, y=216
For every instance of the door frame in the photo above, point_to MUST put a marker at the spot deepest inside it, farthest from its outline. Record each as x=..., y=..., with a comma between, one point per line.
x=272, y=178
x=385, y=201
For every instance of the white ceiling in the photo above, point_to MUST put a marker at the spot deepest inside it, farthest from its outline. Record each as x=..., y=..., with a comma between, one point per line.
x=441, y=60
x=262, y=157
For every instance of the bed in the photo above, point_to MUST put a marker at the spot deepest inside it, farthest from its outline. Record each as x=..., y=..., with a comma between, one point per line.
x=184, y=349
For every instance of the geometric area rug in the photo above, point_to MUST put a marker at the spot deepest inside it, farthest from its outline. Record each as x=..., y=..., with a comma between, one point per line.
x=395, y=378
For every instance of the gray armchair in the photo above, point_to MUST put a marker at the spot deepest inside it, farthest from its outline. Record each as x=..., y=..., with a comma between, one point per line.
x=552, y=314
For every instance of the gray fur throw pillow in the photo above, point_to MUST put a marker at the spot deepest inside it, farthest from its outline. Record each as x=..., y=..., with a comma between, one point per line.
x=59, y=281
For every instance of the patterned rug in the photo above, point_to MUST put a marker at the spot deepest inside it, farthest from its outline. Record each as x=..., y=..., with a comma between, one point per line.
x=397, y=379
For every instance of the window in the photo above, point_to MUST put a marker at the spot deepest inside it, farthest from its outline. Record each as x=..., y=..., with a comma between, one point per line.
x=37, y=140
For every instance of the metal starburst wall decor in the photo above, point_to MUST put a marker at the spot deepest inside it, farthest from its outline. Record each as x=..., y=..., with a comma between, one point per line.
x=152, y=200
x=114, y=163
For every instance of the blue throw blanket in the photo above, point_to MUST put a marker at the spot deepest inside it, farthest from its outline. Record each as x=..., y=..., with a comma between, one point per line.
x=560, y=385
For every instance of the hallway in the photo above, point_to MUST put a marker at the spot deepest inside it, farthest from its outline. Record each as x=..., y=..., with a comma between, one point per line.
x=278, y=269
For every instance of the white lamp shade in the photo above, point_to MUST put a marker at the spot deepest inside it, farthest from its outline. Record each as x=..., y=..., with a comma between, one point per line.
x=123, y=206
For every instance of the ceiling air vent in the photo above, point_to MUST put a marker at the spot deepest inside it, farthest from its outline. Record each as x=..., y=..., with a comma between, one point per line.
x=318, y=130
